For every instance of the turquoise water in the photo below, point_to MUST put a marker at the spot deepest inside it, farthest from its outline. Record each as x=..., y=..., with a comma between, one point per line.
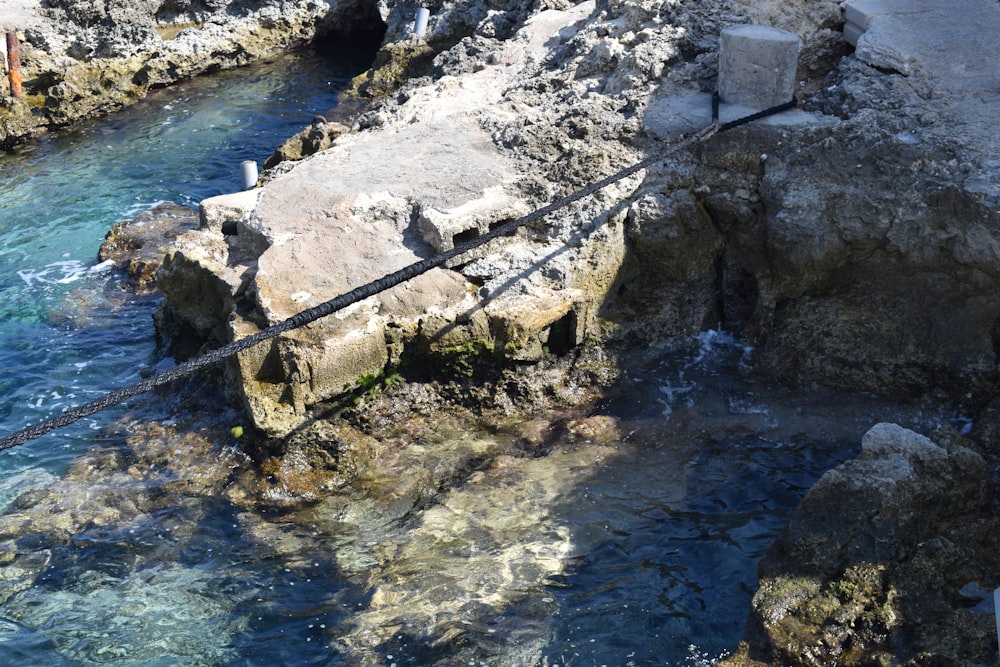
x=67, y=331
x=638, y=550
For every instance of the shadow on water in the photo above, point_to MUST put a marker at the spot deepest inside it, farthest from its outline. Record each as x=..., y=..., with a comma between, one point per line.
x=629, y=536
x=626, y=536
x=668, y=534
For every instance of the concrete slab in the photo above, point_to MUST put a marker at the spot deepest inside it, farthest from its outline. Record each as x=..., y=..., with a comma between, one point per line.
x=19, y=14
x=861, y=12
x=946, y=48
x=674, y=117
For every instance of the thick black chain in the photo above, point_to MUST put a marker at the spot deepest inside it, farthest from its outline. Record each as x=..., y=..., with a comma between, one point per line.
x=364, y=291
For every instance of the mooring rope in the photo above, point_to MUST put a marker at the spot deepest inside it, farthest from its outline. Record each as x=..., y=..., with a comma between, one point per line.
x=370, y=289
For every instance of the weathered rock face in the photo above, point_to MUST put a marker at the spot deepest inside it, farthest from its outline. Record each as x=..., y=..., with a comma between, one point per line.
x=873, y=564
x=853, y=260
x=859, y=248
x=82, y=59
x=345, y=205
x=138, y=246
x=904, y=267
x=855, y=250
x=319, y=136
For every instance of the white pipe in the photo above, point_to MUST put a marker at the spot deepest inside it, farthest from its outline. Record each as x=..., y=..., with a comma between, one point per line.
x=249, y=168
x=420, y=24
x=996, y=611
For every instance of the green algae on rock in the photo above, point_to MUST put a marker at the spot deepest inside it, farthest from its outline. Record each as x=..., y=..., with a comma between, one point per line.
x=870, y=566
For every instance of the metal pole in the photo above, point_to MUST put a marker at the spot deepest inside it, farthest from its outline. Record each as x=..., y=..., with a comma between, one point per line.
x=14, y=65
x=996, y=611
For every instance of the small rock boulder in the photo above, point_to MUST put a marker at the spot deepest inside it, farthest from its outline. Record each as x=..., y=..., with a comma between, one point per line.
x=138, y=246
x=871, y=566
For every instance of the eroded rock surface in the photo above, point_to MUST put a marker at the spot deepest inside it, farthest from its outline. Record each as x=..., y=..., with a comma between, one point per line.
x=884, y=560
x=867, y=215
x=372, y=204
x=82, y=59
x=137, y=246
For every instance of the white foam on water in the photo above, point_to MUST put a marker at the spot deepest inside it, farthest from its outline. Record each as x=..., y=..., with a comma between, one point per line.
x=56, y=273
x=697, y=657
x=675, y=396
x=712, y=342
x=963, y=424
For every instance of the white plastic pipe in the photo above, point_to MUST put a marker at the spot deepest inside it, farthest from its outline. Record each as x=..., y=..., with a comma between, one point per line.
x=420, y=24
x=996, y=611
x=249, y=168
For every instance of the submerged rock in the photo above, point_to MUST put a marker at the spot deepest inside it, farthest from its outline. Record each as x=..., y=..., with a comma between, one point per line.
x=138, y=246
x=78, y=567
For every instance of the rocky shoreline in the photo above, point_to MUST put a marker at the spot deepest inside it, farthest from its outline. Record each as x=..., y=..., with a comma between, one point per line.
x=855, y=243
x=80, y=60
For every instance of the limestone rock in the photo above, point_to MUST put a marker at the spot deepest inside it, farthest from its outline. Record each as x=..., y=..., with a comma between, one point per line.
x=779, y=227
x=886, y=497
x=139, y=245
x=473, y=218
x=17, y=123
x=83, y=59
x=319, y=136
x=338, y=220
x=879, y=545
x=196, y=273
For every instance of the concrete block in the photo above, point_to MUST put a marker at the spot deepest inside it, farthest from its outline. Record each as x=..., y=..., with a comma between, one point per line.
x=861, y=12
x=858, y=14
x=852, y=33
x=757, y=65
x=674, y=116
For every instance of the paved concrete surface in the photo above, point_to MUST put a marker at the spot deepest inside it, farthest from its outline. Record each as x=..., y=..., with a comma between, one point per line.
x=947, y=46
x=946, y=50
x=18, y=14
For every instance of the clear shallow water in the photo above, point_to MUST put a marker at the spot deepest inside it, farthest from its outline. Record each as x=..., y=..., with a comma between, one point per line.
x=715, y=462
x=67, y=332
x=636, y=545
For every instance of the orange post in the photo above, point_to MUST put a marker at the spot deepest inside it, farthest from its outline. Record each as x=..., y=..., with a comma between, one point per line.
x=14, y=65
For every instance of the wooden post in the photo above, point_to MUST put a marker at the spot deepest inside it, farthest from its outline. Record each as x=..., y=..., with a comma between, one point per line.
x=14, y=65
